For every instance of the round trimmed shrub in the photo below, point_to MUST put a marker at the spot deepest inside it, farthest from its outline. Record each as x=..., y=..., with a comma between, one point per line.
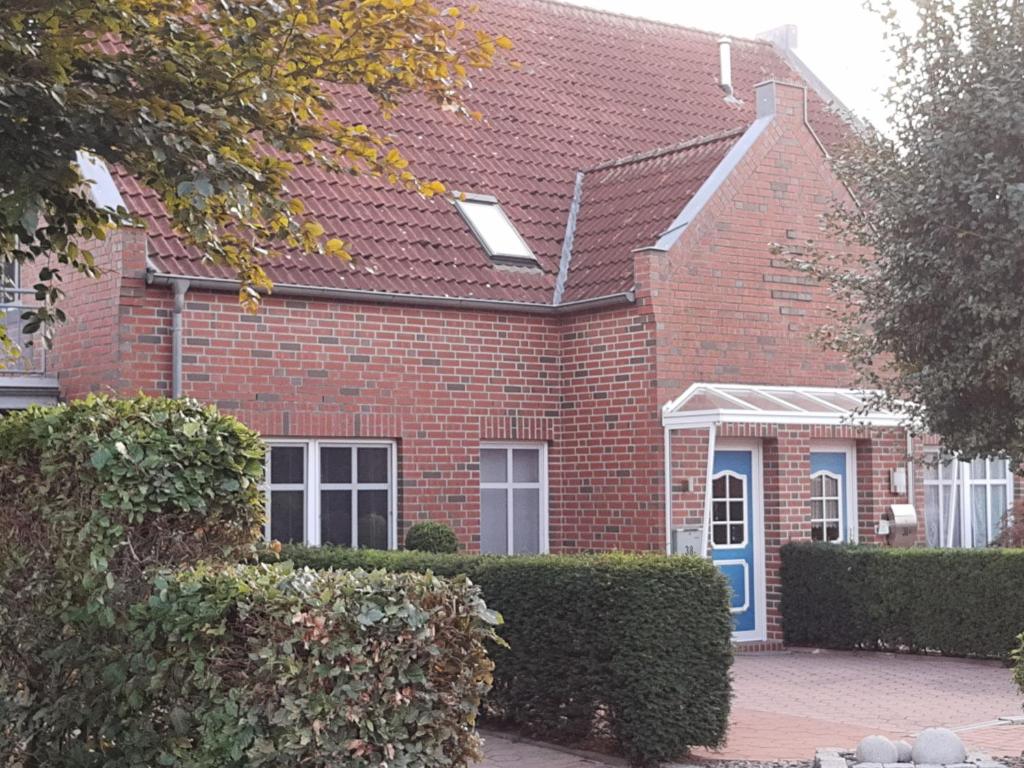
x=432, y=537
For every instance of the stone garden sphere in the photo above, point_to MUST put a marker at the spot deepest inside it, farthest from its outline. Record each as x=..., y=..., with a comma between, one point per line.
x=903, y=751
x=876, y=749
x=939, y=745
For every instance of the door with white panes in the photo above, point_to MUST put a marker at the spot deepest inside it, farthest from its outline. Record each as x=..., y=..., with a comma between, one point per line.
x=513, y=498
x=833, y=492
x=736, y=528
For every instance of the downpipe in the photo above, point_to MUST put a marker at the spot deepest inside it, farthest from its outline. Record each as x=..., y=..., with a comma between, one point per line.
x=180, y=288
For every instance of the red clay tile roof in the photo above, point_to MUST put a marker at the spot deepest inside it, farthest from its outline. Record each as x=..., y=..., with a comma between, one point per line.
x=628, y=204
x=593, y=87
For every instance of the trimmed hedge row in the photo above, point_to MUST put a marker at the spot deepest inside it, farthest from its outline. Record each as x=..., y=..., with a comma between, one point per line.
x=958, y=602
x=266, y=666
x=629, y=648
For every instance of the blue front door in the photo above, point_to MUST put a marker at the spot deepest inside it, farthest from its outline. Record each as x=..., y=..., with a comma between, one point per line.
x=733, y=532
x=829, y=502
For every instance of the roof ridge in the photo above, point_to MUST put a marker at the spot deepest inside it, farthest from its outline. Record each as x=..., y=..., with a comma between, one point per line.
x=659, y=151
x=575, y=5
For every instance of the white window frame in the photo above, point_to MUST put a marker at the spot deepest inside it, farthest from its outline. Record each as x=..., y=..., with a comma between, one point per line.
x=509, y=486
x=10, y=286
x=838, y=498
x=947, y=502
x=963, y=482
x=728, y=499
x=312, y=486
x=463, y=203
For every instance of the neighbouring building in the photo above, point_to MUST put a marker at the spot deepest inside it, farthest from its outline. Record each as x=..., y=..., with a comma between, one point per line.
x=592, y=348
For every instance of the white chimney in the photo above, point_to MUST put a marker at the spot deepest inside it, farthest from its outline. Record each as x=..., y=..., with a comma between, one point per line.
x=784, y=37
x=725, y=66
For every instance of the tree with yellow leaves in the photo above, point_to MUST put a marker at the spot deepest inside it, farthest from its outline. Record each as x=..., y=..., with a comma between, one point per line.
x=210, y=103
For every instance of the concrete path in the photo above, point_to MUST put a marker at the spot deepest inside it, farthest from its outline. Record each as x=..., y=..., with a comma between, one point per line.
x=788, y=704
x=504, y=752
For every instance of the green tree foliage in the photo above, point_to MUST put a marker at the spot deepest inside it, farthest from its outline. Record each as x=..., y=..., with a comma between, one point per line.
x=934, y=280
x=211, y=104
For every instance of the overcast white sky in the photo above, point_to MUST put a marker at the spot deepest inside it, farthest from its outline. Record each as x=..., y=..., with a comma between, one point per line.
x=839, y=39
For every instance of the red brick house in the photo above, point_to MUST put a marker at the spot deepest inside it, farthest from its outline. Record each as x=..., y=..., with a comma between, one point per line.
x=595, y=349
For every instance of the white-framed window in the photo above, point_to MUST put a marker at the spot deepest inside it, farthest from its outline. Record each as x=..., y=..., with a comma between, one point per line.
x=826, y=502
x=989, y=491
x=728, y=510
x=493, y=228
x=513, y=498
x=965, y=502
x=332, y=492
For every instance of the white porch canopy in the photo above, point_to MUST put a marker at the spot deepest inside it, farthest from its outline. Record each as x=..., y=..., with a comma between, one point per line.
x=708, y=406
x=702, y=405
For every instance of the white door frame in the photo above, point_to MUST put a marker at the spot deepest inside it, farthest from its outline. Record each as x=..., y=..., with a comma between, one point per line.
x=760, y=631
x=852, y=533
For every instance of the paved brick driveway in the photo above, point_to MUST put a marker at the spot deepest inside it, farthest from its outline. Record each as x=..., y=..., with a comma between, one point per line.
x=787, y=704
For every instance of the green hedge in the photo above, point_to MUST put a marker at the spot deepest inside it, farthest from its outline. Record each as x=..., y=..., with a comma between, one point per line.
x=630, y=648
x=266, y=667
x=120, y=649
x=954, y=601
x=93, y=495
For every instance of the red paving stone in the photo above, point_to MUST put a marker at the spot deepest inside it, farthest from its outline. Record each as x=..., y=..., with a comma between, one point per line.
x=788, y=704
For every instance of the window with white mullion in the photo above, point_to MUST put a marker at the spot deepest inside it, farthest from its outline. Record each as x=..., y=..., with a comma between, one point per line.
x=826, y=500
x=513, y=515
x=988, y=492
x=287, y=479
x=346, y=493
x=941, y=502
x=966, y=501
x=728, y=510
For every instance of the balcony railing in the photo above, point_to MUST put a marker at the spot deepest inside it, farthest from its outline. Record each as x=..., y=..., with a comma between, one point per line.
x=32, y=360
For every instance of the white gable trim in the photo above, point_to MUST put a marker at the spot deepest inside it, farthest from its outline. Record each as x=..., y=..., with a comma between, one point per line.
x=712, y=183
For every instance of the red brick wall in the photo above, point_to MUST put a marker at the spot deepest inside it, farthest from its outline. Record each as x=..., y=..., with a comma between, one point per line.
x=610, y=452
x=87, y=351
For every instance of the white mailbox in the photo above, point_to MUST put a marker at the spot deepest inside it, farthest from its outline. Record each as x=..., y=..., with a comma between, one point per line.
x=686, y=540
x=899, y=525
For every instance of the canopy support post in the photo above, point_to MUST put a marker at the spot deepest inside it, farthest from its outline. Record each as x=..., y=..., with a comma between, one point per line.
x=668, y=490
x=706, y=530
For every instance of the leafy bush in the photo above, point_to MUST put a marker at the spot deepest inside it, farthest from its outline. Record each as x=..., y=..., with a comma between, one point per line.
x=956, y=601
x=266, y=667
x=92, y=494
x=630, y=648
x=111, y=655
x=1018, y=656
x=431, y=537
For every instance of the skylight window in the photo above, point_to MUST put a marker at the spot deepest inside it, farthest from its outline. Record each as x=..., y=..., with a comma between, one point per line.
x=493, y=229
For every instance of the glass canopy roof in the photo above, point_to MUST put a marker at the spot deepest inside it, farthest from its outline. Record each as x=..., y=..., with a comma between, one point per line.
x=705, y=404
